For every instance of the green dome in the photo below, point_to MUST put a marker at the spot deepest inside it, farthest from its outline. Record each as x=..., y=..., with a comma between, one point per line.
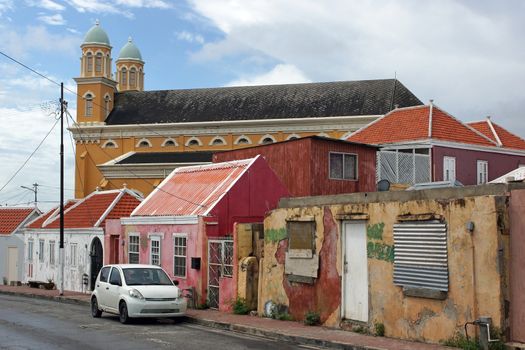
x=96, y=35
x=130, y=52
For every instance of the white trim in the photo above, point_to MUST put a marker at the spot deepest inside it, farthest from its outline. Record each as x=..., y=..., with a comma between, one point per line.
x=156, y=234
x=168, y=140
x=211, y=143
x=168, y=220
x=292, y=137
x=459, y=145
x=89, y=92
x=343, y=178
x=137, y=145
x=347, y=134
x=431, y=108
x=105, y=145
x=109, y=209
x=193, y=138
x=248, y=166
x=323, y=134
x=159, y=239
x=236, y=142
x=489, y=122
x=267, y=136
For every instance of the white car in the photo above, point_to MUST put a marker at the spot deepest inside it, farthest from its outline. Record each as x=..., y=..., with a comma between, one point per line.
x=135, y=290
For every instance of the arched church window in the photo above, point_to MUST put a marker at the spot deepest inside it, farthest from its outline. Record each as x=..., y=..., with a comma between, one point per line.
x=169, y=143
x=267, y=140
x=98, y=63
x=123, y=76
x=144, y=143
x=132, y=77
x=193, y=143
x=243, y=141
x=89, y=62
x=89, y=105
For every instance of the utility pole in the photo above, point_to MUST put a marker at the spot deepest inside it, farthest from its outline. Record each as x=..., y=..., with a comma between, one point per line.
x=61, y=246
x=34, y=190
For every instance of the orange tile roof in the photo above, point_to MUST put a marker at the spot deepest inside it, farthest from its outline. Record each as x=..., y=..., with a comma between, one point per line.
x=507, y=139
x=87, y=212
x=11, y=218
x=192, y=190
x=411, y=124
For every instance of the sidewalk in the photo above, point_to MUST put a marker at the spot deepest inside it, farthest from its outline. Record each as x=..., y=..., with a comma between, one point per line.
x=278, y=330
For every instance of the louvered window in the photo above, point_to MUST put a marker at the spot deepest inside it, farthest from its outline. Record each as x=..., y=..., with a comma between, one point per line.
x=420, y=255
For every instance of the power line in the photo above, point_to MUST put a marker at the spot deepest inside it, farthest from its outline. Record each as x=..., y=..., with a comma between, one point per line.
x=30, y=156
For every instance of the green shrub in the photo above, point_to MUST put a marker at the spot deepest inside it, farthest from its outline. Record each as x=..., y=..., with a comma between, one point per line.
x=460, y=341
x=280, y=312
x=380, y=329
x=312, y=318
x=240, y=307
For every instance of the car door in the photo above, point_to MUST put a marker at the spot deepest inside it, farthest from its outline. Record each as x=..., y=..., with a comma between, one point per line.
x=102, y=286
x=114, y=289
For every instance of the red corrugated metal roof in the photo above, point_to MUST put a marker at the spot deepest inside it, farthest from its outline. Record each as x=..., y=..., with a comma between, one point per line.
x=11, y=218
x=87, y=212
x=192, y=190
x=411, y=124
x=507, y=139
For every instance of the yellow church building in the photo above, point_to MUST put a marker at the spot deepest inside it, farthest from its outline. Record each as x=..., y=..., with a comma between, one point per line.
x=126, y=136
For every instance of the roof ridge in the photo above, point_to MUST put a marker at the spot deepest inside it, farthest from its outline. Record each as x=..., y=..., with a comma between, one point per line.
x=491, y=127
x=212, y=166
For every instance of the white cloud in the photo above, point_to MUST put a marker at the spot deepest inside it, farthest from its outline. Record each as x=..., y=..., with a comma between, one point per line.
x=280, y=74
x=5, y=5
x=190, y=37
x=54, y=20
x=46, y=4
x=145, y=3
x=467, y=56
x=37, y=39
x=116, y=6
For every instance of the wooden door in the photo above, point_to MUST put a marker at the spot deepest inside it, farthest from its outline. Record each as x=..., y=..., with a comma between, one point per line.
x=12, y=264
x=355, y=276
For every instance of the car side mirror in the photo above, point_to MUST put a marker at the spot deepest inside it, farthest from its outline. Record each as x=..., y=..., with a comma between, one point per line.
x=176, y=282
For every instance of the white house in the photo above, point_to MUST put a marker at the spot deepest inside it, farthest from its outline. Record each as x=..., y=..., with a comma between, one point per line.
x=12, y=221
x=84, y=222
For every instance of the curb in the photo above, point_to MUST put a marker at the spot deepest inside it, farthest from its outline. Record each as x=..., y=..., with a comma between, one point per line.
x=222, y=326
x=60, y=299
x=276, y=336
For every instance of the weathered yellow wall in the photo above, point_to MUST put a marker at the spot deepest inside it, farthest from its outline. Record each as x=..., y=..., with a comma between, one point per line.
x=475, y=287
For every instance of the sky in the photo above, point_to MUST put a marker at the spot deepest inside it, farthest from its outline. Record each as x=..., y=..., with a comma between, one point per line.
x=468, y=56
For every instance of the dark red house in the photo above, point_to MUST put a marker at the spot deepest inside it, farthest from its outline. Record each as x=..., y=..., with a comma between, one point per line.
x=424, y=143
x=314, y=165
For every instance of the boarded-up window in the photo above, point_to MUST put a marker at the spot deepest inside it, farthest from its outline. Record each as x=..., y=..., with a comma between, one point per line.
x=301, y=235
x=343, y=166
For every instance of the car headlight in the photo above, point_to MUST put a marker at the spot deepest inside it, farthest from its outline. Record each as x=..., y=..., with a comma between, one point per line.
x=135, y=294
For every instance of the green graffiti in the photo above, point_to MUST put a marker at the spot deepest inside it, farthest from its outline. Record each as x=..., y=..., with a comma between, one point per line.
x=380, y=251
x=275, y=235
x=375, y=231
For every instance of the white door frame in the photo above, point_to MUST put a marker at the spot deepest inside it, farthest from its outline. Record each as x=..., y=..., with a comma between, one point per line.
x=343, y=267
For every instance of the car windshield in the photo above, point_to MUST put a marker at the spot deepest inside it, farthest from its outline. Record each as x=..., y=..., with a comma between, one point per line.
x=146, y=276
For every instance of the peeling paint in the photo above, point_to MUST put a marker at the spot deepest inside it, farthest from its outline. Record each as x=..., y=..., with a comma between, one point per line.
x=275, y=235
x=375, y=231
x=380, y=251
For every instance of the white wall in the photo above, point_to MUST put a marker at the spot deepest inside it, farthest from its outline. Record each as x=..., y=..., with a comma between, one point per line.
x=44, y=270
x=7, y=241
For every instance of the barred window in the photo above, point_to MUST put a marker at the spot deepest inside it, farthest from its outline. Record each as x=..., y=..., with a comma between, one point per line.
x=133, y=250
x=52, y=252
x=179, y=256
x=228, y=259
x=343, y=166
x=155, y=251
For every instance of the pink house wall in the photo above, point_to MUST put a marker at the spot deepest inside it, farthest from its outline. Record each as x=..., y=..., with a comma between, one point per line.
x=466, y=163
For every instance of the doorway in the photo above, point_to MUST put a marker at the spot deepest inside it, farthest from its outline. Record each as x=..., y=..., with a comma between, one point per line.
x=355, y=276
x=12, y=264
x=97, y=255
x=220, y=264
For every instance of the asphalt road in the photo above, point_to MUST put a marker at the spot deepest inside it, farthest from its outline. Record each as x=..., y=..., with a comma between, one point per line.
x=27, y=323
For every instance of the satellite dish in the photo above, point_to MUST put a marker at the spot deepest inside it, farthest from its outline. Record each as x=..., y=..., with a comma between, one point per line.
x=383, y=185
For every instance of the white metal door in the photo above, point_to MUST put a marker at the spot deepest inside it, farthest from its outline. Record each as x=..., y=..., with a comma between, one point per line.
x=355, y=277
x=449, y=169
x=12, y=264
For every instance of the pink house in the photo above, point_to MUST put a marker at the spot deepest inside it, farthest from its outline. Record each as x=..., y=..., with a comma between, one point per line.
x=186, y=225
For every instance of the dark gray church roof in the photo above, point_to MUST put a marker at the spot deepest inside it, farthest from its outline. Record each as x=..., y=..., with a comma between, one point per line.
x=167, y=157
x=311, y=100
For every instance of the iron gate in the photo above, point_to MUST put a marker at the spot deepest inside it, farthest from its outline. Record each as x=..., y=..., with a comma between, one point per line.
x=220, y=264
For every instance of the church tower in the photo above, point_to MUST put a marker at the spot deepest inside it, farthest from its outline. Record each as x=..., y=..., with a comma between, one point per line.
x=95, y=86
x=130, y=68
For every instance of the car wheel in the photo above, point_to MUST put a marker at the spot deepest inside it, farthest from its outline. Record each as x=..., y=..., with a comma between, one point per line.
x=95, y=311
x=123, y=313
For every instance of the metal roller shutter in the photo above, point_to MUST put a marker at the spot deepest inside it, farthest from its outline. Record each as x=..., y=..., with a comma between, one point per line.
x=420, y=255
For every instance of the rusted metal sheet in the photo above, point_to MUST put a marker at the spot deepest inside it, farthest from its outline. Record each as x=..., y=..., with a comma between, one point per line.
x=420, y=255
